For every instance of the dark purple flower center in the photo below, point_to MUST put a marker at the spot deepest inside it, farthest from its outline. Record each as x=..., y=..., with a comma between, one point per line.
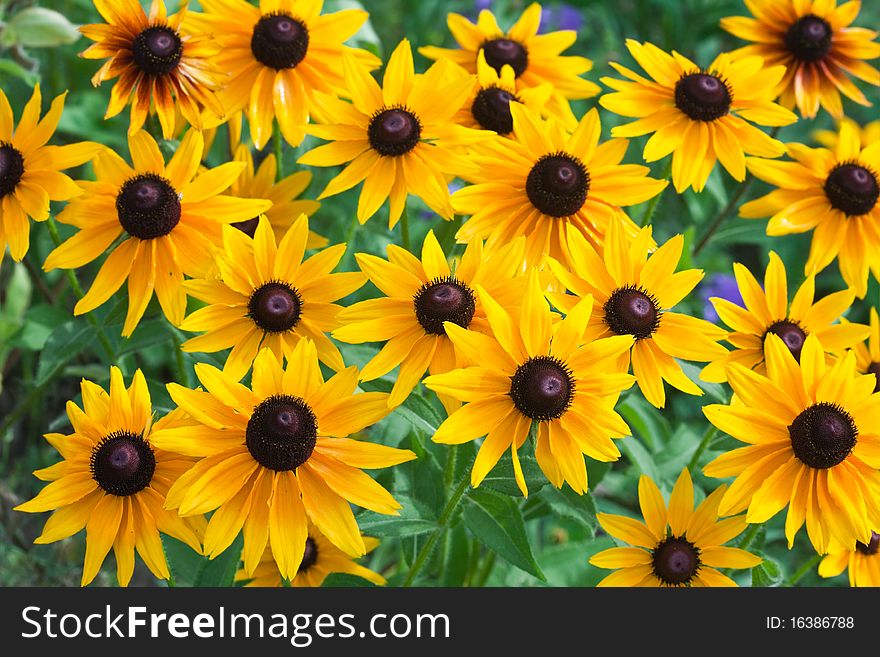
x=157, y=50
x=310, y=556
x=282, y=433
x=823, y=435
x=852, y=189
x=11, y=168
x=675, y=561
x=542, y=388
x=702, y=96
x=444, y=300
x=499, y=52
x=148, y=206
x=123, y=463
x=632, y=311
x=874, y=368
x=394, y=131
x=872, y=546
x=558, y=184
x=491, y=109
x=279, y=41
x=809, y=39
x=275, y=307
x=792, y=335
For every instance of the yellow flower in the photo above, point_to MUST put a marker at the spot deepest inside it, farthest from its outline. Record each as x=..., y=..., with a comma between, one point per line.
x=171, y=221
x=700, y=115
x=868, y=355
x=267, y=297
x=535, y=59
x=768, y=312
x=320, y=558
x=393, y=136
x=814, y=41
x=30, y=171
x=632, y=294
x=860, y=561
x=813, y=444
x=277, y=56
x=421, y=296
x=113, y=480
x=835, y=194
x=286, y=207
x=869, y=134
x=534, y=371
x=157, y=58
x=675, y=546
x=545, y=179
x=276, y=456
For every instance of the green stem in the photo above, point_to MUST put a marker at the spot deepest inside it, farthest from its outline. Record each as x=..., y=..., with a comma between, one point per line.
x=449, y=471
x=749, y=536
x=12, y=416
x=277, y=143
x=442, y=525
x=804, y=569
x=78, y=291
x=722, y=216
x=486, y=570
x=708, y=436
x=652, y=206
x=404, y=228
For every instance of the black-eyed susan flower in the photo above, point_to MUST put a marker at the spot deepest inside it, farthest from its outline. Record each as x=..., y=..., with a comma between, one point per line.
x=320, y=558
x=860, y=562
x=632, y=296
x=171, y=220
x=267, y=297
x=868, y=355
x=276, y=456
x=536, y=59
x=815, y=41
x=545, y=179
x=868, y=134
x=286, y=207
x=488, y=107
x=834, y=194
x=396, y=138
x=533, y=371
x=421, y=297
x=158, y=59
x=812, y=444
x=30, y=171
x=113, y=480
x=277, y=56
x=768, y=312
x=678, y=545
x=700, y=115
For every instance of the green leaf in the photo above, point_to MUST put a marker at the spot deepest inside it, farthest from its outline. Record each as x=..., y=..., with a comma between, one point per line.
x=17, y=71
x=767, y=573
x=415, y=518
x=346, y=580
x=188, y=568
x=714, y=390
x=644, y=420
x=220, y=571
x=184, y=563
x=40, y=321
x=637, y=454
x=38, y=27
x=456, y=551
x=565, y=502
x=501, y=477
x=66, y=342
x=496, y=521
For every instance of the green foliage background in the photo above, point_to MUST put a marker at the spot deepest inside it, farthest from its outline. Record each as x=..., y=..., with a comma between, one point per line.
x=494, y=536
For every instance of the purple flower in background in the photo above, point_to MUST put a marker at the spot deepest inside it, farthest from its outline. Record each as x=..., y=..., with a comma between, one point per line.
x=480, y=5
x=718, y=285
x=560, y=17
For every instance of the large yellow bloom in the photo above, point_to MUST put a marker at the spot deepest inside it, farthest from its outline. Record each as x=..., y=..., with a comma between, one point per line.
x=171, y=222
x=868, y=355
x=860, y=562
x=868, y=134
x=268, y=297
x=768, y=312
x=814, y=41
x=421, y=296
x=545, y=179
x=395, y=137
x=534, y=371
x=286, y=207
x=30, y=171
x=276, y=456
x=675, y=546
x=277, y=56
x=813, y=445
x=320, y=558
x=157, y=58
x=536, y=59
x=835, y=194
x=633, y=294
x=113, y=480
x=700, y=115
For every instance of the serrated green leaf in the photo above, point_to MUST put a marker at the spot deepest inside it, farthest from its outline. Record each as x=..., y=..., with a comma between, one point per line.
x=189, y=568
x=64, y=343
x=415, y=518
x=496, y=521
x=767, y=573
x=565, y=502
x=346, y=580
x=220, y=571
x=501, y=478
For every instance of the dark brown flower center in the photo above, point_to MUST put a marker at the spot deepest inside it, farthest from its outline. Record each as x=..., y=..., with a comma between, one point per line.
x=148, y=206
x=874, y=368
x=542, y=388
x=123, y=463
x=491, y=109
x=823, y=435
x=310, y=556
x=499, y=52
x=157, y=50
x=558, y=184
x=809, y=39
x=444, y=300
x=279, y=41
x=852, y=189
x=632, y=311
x=675, y=561
x=872, y=546
x=394, y=131
x=11, y=168
x=248, y=226
x=791, y=334
x=281, y=433
x=702, y=96
x=275, y=307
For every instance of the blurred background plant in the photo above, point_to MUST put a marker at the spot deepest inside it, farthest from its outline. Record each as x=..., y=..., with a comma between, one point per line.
x=497, y=538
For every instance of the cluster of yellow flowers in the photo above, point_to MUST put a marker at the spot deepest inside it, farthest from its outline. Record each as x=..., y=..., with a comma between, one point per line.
x=557, y=296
